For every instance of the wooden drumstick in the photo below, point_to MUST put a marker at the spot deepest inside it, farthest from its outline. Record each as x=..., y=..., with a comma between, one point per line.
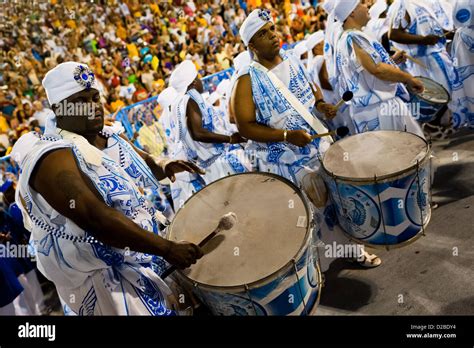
x=341, y=131
x=414, y=60
x=226, y=222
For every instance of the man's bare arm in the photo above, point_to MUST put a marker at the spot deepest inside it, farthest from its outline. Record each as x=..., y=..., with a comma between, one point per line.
x=61, y=183
x=245, y=116
x=198, y=133
x=244, y=113
x=382, y=71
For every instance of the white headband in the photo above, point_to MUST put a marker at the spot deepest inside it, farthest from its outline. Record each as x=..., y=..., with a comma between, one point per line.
x=67, y=79
x=255, y=20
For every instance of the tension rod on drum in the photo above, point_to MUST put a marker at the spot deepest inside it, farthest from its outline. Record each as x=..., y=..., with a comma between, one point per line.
x=381, y=214
x=250, y=299
x=419, y=197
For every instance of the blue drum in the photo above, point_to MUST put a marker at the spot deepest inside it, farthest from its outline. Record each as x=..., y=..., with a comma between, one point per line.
x=380, y=184
x=267, y=264
x=431, y=103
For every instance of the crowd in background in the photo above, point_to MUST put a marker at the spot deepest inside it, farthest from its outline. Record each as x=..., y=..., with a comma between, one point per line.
x=132, y=47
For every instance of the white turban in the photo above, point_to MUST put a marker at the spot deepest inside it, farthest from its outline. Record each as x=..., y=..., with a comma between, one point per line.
x=377, y=9
x=183, y=75
x=314, y=39
x=253, y=23
x=67, y=79
x=344, y=8
x=328, y=5
x=167, y=97
x=300, y=48
x=463, y=13
x=242, y=60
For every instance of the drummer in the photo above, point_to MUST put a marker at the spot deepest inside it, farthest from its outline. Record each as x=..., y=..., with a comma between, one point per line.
x=416, y=29
x=272, y=119
x=94, y=234
x=201, y=129
x=365, y=68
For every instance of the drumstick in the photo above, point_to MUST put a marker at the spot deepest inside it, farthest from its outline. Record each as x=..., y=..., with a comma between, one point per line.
x=341, y=131
x=348, y=95
x=414, y=60
x=226, y=222
x=448, y=32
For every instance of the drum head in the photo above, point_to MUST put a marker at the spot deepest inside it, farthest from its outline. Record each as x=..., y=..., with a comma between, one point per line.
x=434, y=92
x=271, y=229
x=379, y=153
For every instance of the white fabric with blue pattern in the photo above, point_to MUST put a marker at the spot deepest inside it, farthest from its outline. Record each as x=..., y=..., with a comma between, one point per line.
x=218, y=160
x=274, y=111
x=370, y=93
x=463, y=97
x=423, y=21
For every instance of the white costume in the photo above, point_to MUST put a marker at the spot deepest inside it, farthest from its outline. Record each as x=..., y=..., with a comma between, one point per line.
x=377, y=104
x=462, y=52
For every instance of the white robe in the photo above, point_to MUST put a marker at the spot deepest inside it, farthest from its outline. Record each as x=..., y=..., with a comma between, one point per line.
x=377, y=104
x=463, y=95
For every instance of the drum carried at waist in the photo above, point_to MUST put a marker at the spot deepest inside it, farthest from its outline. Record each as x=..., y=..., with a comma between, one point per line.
x=380, y=184
x=431, y=103
x=267, y=264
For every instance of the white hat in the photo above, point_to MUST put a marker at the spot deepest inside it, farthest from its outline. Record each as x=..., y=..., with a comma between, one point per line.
x=378, y=8
x=344, y=8
x=167, y=97
x=67, y=79
x=255, y=20
x=183, y=75
x=300, y=48
x=463, y=13
x=314, y=39
x=328, y=5
x=242, y=60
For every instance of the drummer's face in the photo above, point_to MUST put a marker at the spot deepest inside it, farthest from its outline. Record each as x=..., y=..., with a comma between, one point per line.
x=361, y=14
x=266, y=42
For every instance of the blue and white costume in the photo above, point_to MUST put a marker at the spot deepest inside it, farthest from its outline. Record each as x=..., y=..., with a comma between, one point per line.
x=314, y=67
x=423, y=21
x=274, y=111
x=91, y=277
x=218, y=160
x=377, y=26
x=186, y=183
x=462, y=51
x=377, y=104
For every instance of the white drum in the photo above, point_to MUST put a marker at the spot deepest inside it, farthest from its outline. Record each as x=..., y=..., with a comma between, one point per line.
x=267, y=263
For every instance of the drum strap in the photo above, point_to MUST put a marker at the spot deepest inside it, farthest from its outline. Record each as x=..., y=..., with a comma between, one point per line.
x=294, y=102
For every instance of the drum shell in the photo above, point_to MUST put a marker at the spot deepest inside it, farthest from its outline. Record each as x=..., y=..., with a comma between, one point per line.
x=426, y=110
x=277, y=294
x=280, y=293
x=389, y=211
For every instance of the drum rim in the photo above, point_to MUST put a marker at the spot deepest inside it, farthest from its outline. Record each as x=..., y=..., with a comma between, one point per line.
x=427, y=100
x=382, y=178
x=282, y=270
